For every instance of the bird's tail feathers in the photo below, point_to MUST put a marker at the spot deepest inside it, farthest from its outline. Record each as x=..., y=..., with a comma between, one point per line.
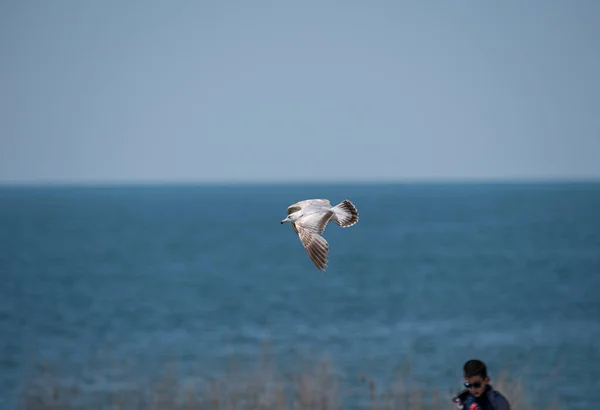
x=345, y=214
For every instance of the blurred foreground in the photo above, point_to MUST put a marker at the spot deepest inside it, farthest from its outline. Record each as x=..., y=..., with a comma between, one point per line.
x=314, y=386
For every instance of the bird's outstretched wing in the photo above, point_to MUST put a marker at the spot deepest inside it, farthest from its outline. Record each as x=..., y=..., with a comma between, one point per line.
x=293, y=208
x=316, y=202
x=309, y=229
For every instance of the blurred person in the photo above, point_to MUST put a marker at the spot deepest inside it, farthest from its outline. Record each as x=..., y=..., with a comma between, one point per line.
x=479, y=393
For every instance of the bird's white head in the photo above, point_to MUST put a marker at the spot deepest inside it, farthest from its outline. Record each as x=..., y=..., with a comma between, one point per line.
x=292, y=217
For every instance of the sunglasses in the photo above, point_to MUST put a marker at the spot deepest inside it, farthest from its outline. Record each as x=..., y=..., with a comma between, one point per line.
x=475, y=385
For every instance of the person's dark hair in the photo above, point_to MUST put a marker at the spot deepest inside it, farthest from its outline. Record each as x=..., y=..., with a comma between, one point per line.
x=474, y=368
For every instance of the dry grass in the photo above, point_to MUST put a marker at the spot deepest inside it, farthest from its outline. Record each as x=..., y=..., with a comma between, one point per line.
x=314, y=387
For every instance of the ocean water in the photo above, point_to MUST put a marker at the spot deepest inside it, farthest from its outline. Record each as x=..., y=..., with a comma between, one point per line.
x=437, y=274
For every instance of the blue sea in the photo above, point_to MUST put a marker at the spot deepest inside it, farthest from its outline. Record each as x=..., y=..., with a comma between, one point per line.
x=435, y=274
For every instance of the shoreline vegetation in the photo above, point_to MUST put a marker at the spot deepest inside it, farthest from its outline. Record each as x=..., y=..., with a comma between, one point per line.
x=314, y=386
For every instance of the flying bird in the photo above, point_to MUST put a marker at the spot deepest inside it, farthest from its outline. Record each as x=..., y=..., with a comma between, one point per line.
x=309, y=219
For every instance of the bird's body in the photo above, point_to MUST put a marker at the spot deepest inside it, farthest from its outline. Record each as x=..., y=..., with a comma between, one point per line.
x=309, y=219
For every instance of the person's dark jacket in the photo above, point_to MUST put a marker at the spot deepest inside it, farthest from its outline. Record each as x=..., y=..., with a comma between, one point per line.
x=464, y=399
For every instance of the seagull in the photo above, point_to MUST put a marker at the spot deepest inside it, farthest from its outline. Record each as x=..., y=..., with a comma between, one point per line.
x=309, y=218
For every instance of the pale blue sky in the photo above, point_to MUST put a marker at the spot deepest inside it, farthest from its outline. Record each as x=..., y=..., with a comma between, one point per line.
x=298, y=90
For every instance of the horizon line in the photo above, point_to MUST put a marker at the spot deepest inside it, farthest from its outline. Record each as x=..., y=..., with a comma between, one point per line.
x=247, y=182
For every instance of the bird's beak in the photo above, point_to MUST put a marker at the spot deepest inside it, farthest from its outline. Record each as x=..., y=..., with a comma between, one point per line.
x=285, y=220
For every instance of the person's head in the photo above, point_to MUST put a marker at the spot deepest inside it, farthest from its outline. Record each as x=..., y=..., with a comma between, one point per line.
x=476, y=377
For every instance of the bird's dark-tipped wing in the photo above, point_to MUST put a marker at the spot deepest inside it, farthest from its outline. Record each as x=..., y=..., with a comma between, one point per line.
x=309, y=229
